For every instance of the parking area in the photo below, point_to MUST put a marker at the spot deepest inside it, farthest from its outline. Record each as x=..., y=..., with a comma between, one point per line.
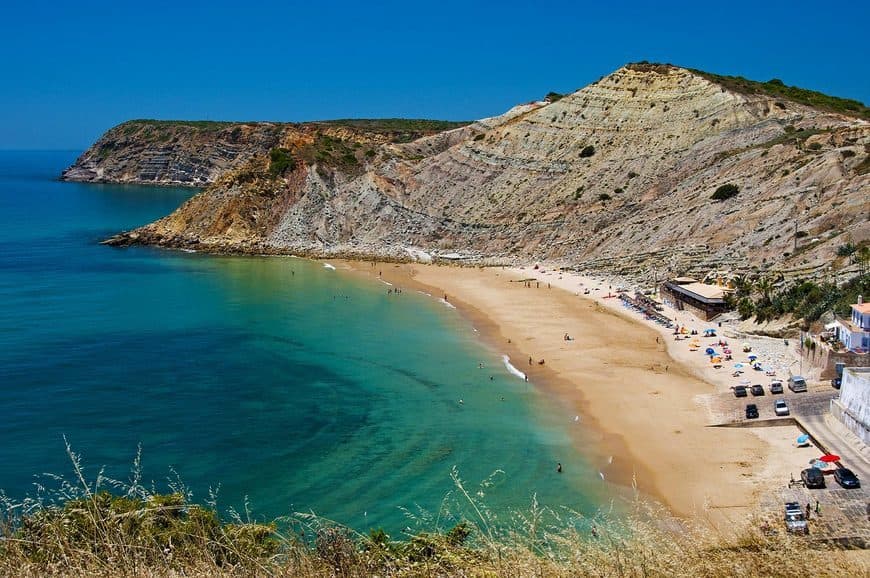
x=842, y=514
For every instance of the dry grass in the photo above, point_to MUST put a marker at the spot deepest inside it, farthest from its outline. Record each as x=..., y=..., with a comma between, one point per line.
x=82, y=529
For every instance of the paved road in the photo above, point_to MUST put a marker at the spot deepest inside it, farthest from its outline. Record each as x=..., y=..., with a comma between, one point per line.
x=844, y=512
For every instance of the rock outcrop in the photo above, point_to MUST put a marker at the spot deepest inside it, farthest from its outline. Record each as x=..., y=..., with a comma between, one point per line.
x=620, y=174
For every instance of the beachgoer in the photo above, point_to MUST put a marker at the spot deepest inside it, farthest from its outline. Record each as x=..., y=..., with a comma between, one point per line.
x=818, y=508
x=559, y=467
x=530, y=360
x=491, y=378
x=808, y=510
x=525, y=376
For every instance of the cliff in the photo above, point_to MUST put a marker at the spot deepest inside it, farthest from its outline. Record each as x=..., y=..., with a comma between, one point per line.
x=196, y=153
x=651, y=166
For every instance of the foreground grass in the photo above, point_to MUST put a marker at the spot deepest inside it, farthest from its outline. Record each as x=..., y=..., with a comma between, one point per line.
x=86, y=530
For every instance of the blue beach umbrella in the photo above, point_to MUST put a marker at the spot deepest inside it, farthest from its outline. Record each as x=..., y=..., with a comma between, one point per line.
x=710, y=351
x=803, y=439
x=738, y=366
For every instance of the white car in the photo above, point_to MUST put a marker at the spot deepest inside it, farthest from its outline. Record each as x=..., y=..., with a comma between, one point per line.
x=795, y=522
x=780, y=407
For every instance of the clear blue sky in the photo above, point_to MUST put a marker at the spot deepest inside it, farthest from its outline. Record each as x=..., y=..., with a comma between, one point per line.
x=71, y=70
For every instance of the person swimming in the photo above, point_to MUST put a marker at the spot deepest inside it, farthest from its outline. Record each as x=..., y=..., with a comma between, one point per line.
x=559, y=467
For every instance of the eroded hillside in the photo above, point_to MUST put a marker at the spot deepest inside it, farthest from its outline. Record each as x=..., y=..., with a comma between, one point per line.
x=618, y=174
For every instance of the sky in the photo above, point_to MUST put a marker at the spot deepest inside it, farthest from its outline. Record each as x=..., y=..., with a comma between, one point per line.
x=71, y=70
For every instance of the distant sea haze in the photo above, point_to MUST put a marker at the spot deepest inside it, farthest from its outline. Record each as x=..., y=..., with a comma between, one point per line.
x=279, y=379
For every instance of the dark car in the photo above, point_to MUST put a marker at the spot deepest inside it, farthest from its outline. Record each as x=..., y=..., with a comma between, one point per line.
x=757, y=389
x=846, y=478
x=740, y=391
x=751, y=411
x=813, y=478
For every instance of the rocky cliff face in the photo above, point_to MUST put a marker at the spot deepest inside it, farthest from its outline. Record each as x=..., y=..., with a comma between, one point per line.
x=196, y=153
x=619, y=174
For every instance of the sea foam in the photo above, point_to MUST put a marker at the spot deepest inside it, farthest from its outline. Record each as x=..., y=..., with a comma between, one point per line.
x=328, y=266
x=511, y=368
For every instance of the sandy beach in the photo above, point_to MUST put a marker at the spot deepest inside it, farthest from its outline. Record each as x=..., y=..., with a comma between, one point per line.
x=638, y=390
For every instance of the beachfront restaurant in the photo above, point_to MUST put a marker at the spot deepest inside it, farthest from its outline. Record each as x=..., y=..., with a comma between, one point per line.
x=701, y=299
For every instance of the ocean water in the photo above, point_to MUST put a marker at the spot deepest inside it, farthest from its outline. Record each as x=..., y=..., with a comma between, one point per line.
x=277, y=380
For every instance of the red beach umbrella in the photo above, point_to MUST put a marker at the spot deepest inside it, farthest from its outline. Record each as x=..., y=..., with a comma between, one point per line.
x=830, y=458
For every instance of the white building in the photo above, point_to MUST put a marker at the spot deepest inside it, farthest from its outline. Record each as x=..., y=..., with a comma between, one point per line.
x=854, y=334
x=853, y=406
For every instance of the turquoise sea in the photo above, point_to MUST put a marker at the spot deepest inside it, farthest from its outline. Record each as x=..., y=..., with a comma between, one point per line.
x=276, y=379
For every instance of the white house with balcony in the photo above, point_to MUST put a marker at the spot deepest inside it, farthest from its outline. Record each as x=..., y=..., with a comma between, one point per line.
x=854, y=333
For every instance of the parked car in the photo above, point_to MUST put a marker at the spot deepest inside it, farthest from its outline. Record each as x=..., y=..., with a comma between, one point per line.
x=795, y=522
x=780, y=407
x=740, y=391
x=813, y=478
x=776, y=386
x=846, y=478
x=797, y=383
x=751, y=411
x=757, y=389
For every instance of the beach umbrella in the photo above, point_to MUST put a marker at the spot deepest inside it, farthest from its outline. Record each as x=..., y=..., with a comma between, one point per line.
x=803, y=439
x=738, y=366
x=716, y=359
x=709, y=351
x=819, y=465
x=829, y=458
x=752, y=356
x=744, y=382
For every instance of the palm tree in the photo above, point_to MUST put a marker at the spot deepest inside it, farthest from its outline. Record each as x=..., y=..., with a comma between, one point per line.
x=764, y=285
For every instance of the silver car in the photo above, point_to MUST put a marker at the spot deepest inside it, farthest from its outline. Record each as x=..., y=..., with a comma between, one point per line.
x=795, y=522
x=780, y=407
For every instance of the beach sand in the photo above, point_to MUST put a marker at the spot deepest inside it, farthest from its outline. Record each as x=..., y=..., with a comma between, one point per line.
x=643, y=402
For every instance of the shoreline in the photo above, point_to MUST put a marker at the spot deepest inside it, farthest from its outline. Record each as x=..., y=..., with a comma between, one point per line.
x=637, y=394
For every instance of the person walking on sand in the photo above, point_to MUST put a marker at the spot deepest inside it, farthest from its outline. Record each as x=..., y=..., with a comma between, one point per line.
x=808, y=510
x=818, y=508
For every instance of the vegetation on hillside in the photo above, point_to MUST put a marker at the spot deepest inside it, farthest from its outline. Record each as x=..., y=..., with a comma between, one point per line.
x=763, y=298
x=725, y=192
x=776, y=88
x=83, y=529
x=280, y=161
x=400, y=130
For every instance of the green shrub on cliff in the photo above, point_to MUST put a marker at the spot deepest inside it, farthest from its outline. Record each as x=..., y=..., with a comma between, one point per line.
x=725, y=192
x=280, y=161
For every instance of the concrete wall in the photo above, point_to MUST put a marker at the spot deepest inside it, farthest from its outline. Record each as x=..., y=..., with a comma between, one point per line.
x=826, y=360
x=853, y=407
